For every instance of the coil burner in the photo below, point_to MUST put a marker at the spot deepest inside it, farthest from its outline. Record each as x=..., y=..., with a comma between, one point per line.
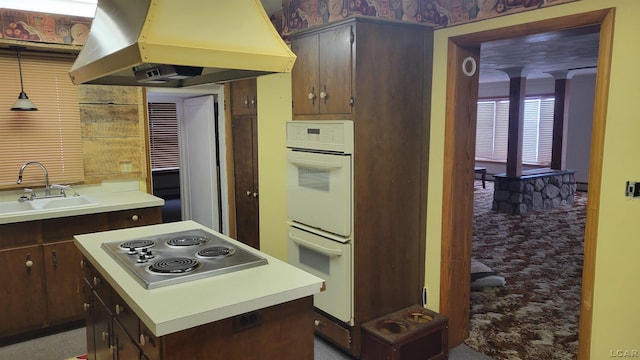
x=168, y=259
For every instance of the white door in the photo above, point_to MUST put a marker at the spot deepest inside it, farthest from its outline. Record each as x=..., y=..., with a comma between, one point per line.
x=200, y=182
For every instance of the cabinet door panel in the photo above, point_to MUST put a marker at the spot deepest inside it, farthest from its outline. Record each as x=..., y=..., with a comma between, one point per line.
x=102, y=330
x=244, y=97
x=64, y=281
x=245, y=164
x=304, y=75
x=123, y=346
x=22, y=303
x=335, y=70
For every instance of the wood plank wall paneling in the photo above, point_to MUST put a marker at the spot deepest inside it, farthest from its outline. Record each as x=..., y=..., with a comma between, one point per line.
x=113, y=132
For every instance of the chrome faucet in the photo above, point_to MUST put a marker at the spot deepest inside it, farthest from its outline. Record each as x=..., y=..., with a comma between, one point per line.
x=47, y=190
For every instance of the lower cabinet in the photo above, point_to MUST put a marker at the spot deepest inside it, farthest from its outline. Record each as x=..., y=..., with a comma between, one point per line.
x=39, y=268
x=22, y=302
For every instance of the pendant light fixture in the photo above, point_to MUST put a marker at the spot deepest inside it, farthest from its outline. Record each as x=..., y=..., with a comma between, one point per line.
x=23, y=103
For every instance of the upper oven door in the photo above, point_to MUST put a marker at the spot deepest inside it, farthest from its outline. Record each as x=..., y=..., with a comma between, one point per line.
x=319, y=190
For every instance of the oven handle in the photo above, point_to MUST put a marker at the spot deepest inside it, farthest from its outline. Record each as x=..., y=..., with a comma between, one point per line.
x=316, y=164
x=316, y=247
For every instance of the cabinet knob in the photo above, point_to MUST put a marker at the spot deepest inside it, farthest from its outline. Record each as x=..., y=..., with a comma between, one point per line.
x=82, y=265
x=105, y=336
x=119, y=309
x=135, y=217
x=96, y=281
x=255, y=194
x=29, y=262
x=246, y=102
x=312, y=95
x=86, y=306
x=143, y=339
x=248, y=192
x=323, y=95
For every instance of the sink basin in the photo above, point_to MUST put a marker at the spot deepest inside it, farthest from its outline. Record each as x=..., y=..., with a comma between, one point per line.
x=9, y=207
x=14, y=206
x=62, y=202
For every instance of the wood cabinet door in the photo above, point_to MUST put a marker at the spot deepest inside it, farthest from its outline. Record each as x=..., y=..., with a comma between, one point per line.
x=335, y=70
x=102, y=330
x=304, y=75
x=244, y=97
x=124, y=347
x=64, y=281
x=245, y=166
x=22, y=303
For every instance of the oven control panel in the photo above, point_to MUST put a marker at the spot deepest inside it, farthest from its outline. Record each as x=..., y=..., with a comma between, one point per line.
x=321, y=135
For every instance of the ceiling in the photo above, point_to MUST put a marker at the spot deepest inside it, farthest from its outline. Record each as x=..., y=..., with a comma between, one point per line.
x=572, y=49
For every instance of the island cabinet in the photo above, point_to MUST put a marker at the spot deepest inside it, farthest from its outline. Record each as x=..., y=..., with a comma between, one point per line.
x=114, y=331
x=39, y=264
x=379, y=73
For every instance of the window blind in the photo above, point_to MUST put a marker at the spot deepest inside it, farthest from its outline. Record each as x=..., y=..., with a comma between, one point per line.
x=163, y=134
x=492, y=130
x=484, y=129
x=51, y=135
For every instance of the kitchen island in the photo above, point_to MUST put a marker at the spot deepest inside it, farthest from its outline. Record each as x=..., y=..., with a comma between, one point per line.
x=264, y=310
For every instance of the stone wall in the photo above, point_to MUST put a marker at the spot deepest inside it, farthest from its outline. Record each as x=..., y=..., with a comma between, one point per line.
x=533, y=191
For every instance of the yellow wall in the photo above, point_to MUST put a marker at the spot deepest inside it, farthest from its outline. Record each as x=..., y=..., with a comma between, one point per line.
x=616, y=305
x=274, y=110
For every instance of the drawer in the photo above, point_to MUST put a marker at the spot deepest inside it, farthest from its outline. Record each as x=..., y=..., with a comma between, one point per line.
x=135, y=217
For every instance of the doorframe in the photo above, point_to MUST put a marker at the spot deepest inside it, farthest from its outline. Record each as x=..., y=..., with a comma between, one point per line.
x=457, y=207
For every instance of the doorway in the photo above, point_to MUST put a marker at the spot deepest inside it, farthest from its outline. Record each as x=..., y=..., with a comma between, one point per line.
x=459, y=164
x=202, y=153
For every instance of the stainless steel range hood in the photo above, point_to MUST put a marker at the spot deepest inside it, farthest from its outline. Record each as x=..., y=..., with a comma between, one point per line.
x=169, y=43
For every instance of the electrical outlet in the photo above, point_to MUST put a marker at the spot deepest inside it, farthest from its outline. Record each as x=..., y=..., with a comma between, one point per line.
x=633, y=189
x=125, y=167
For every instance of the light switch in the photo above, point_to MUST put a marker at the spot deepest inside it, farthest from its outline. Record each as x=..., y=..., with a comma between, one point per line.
x=633, y=189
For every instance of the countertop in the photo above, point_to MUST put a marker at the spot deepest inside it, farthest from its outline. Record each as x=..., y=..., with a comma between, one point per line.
x=108, y=197
x=182, y=306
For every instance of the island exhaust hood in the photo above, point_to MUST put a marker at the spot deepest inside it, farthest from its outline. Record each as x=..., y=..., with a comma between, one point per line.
x=169, y=43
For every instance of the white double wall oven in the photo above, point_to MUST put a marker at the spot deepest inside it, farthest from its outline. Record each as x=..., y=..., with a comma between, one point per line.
x=320, y=209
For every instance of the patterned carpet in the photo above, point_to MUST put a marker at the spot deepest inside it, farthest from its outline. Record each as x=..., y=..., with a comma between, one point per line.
x=535, y=315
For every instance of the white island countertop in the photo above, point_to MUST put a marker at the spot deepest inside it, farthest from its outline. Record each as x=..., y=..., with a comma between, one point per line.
x=182, y=306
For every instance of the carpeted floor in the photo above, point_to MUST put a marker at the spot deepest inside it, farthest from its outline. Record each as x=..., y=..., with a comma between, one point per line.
x=535, y=315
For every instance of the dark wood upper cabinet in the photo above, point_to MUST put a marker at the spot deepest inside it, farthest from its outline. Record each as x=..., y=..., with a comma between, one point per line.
x=321, y=76
x=244, y=97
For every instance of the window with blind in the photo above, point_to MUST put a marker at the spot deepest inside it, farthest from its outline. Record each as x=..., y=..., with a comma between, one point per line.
x=493, y=129
x=51, y=135
x=163, y=134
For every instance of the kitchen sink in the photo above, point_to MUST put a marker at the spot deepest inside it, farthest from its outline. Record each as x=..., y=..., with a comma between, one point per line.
x=45, y=204
x=62, y=202
x=14, y=206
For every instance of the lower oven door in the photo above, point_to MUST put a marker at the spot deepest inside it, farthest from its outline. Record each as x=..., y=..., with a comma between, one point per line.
x=330, y=260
